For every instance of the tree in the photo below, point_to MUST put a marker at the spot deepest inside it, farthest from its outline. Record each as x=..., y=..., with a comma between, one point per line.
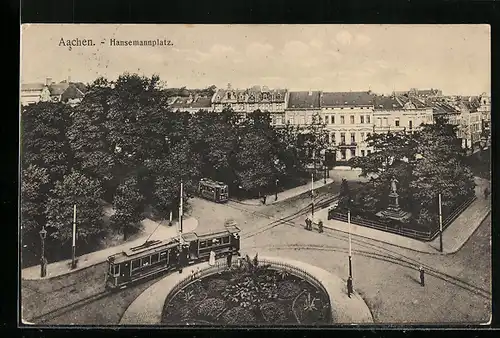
x=128, y=204
x=345, y=196
x=43, y=140
x=85, y=192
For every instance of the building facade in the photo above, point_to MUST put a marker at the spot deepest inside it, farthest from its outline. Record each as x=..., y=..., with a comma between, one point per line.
x=244, y=101
x=348, y=117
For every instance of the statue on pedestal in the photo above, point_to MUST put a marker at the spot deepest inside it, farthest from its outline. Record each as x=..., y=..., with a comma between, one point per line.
x=393, y=210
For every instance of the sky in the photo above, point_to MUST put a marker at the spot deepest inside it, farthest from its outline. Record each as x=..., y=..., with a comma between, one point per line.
x=381, y=58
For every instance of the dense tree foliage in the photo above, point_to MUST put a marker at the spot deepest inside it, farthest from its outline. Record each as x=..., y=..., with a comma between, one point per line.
x=425, y=163
x=122, y=144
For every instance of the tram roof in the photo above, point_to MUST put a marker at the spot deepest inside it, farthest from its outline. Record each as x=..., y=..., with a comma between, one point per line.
x=212, y=183
x=158, y=246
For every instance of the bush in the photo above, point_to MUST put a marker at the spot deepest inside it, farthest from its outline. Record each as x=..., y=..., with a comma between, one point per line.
x=238, y=316
x=287, y=289
x=216, y=285
x=273, y=312
x=211, y=307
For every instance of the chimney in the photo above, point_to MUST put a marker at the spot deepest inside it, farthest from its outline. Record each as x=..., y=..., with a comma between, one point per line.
x=69, y=79
x=48, y=81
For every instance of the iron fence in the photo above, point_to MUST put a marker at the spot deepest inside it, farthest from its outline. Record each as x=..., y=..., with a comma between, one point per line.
x=221, y=265
x=416, y=234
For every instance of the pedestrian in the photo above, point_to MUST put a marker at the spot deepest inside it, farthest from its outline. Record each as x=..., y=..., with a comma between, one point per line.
x=193, y=277
x=349, y=286
x=308, y=223
x=211, y=260
x=486, y=192
x=229, y=260
x=264, y=199
x=422, y=275
x=320, y=226
x=179, y=261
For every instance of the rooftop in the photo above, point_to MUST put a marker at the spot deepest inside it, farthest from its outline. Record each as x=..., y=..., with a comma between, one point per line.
x=339, y=99
x=303, y=100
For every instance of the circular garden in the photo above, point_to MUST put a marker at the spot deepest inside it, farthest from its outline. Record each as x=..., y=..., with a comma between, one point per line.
x=250, y=293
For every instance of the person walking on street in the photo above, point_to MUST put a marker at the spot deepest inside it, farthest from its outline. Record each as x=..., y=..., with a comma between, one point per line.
x=486, y=193
x=349, y=286
x=229, y=260
x=422, y=275
x=308, y=221
x=320, y=226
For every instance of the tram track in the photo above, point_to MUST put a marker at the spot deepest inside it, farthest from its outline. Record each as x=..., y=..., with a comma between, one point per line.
x=407, y=263
x=321, y=203
x=49, y=315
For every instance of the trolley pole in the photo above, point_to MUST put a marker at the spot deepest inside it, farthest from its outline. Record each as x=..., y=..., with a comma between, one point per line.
x=440, y=226
x=350, y=252
x=73, y=247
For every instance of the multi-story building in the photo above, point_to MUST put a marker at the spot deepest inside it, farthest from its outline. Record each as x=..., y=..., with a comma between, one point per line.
x=470, y=125
x=302, y=108
x=349, y=119
x=400, y=113
x=191, y=104
x=244, y=101
x=485, y=110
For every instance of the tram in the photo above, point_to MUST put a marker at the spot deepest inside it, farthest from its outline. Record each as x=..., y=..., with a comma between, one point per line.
x=212, y=190
x=156, y=257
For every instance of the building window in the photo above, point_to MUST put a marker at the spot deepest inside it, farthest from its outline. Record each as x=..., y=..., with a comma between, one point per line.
x=279, y=120
x=362, y=153
x=361, y=119
x=290, y=120
x=342, y=154
x=353, y=152
x=362, y=136
x=367, y=118
x=342, y=138
x=333, y=137
x=386, y=121
x=368, y=152
x=332, y=119
x=352, y=119
x=353, y=137
x=342, y=119
x=302, y=120
x=396, y=123
x=410, y=124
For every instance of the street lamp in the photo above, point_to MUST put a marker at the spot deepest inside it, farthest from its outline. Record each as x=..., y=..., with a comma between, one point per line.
x=43, y=261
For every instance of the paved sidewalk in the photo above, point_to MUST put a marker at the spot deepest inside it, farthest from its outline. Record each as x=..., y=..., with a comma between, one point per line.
x=454, y=236
x=287, y=194
x=147, y=308
x=163, y=231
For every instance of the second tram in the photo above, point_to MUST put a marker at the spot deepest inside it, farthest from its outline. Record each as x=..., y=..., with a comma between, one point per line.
x=212, y=190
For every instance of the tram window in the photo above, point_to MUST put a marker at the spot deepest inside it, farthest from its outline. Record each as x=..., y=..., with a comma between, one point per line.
x=136, y=264
x=146, y=261
x=154, y=258
x=225, y=240
x=163, y=256
x=116, y=270
x=203, y=244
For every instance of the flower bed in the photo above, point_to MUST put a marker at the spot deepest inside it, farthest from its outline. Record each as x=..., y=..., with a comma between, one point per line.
x=249, y=296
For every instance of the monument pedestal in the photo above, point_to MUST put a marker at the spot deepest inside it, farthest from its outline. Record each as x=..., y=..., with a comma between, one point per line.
x=393, y=211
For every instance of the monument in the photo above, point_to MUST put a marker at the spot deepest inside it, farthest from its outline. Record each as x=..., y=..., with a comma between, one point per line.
x=393, y=210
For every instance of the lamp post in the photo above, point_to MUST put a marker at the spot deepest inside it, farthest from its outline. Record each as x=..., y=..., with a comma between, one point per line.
x=73, y=247
x=350, y=252
x=43, y=261
x=440, y=226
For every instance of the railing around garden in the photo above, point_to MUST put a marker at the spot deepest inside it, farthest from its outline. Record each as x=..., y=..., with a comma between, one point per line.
x=401, y=230
x=221, y=265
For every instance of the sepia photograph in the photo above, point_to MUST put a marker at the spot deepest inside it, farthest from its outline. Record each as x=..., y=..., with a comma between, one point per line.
x=176, y=175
